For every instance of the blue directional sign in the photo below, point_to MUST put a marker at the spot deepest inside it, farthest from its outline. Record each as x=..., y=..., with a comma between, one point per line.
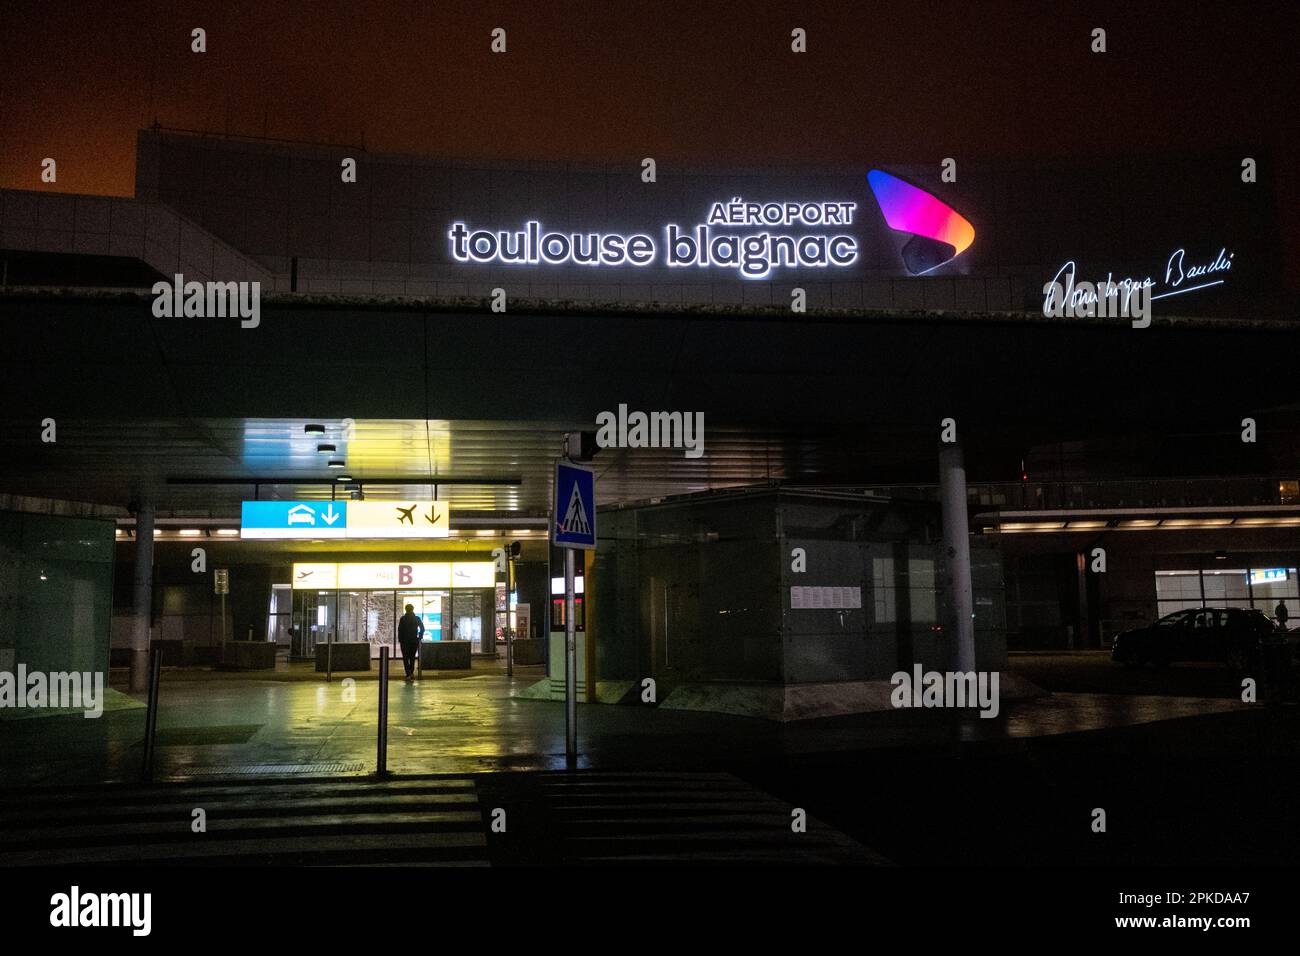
x=1267, y=575
x=294, y=519
x=573, y=513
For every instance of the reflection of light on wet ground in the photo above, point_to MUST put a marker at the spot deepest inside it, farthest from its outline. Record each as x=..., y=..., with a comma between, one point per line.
x=1075, y=713
x=476, y=725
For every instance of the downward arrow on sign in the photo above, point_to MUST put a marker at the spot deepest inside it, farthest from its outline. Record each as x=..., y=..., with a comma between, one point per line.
x=330, y=516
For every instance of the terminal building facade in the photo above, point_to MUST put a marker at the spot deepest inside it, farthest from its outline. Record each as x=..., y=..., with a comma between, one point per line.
x=430, y=330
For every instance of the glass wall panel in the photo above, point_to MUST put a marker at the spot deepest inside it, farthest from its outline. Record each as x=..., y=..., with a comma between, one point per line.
x=1229, y=587
x=1226, y=587
x=467, y=610
x=367, y=616
x=1268, y=594
x=922, y=590
x=56, y=591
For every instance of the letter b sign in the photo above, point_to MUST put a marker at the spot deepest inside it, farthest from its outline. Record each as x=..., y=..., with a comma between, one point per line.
x=404, y=575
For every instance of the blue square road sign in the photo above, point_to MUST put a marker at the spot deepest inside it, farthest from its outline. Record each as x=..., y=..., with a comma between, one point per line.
x=573, y=510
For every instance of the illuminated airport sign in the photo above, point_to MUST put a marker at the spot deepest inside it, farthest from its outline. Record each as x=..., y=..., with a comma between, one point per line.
x=756, y=238
x=938, y=232
x=368, y=576
x=473, y=574
x=293, y=519
x=1267, y=575
x=345, y=519
x=400, y=519
x=784, y=234
x=323, y=576
x=383, y=575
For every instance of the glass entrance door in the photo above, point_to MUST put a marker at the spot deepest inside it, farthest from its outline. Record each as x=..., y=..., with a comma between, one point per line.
x=371, y=617
x=471, y=619
x=314, y=622
x=368, y=616
x=433, y=609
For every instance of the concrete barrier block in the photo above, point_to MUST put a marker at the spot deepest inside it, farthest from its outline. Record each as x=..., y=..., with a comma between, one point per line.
x=529, y=652
x=444, y=655
x=347, y=656
x=249, y=656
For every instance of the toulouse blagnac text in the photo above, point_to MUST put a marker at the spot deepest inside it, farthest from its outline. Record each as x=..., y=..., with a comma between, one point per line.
x=754, y=255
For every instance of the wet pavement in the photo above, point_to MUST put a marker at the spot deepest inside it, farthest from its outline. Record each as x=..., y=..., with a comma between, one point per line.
x=1094, y=672
x=1182, y=778
x=237, y=725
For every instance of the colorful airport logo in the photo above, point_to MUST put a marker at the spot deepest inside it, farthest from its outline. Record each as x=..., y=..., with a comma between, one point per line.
x=939, y=233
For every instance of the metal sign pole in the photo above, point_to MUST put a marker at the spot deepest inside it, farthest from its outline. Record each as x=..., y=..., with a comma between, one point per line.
x=573, y=526
x=506, y=630
x=382, y=763
x=329, y=641
x=570, y=665
x=151, y=715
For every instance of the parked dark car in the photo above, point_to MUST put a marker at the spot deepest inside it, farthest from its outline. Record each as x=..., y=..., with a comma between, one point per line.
x=1292, y=637
x=1231, y=635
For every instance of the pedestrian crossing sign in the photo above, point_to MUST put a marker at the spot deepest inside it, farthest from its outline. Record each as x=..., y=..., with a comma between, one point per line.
x=573, y=511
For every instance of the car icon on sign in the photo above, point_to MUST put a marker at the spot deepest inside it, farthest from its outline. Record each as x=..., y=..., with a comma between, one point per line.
x=302, y=514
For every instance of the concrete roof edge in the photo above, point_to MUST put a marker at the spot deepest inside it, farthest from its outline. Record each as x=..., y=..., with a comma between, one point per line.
x=547, y=306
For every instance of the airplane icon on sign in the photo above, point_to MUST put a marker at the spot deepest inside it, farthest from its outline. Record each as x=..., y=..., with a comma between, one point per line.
x=407, y=515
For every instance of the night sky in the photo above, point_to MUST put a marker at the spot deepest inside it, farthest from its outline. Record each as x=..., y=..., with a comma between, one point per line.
x=684, y=82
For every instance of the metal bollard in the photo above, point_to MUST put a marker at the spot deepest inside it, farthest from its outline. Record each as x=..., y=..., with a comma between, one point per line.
x=151, y=714
x=382, y=763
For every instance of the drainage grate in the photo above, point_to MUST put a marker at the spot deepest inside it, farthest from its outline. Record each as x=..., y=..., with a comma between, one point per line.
x=269, y=769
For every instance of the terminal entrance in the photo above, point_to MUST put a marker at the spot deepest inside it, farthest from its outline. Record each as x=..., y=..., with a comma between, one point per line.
x=370, y=615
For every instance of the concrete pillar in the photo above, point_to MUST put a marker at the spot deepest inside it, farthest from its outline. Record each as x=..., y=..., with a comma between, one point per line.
x=956, y=549
x=143, y=597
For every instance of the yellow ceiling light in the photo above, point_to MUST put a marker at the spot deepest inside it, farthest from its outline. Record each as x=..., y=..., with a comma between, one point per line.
x=1022, y=526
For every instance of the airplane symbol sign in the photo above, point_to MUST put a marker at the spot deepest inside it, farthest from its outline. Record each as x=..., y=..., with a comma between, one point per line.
x=398, y=519
x=345, y=519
